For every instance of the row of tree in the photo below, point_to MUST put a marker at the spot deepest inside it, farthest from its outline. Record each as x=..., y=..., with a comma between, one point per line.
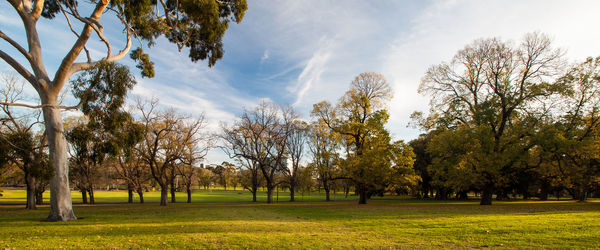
x=510, y=119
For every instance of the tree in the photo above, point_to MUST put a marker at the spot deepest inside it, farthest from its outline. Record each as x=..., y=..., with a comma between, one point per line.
x=198, y=26
x=156, y=150
x=23, y=146
x=497, y=89
x=295, y=150
x=324, y=147
x=205, y=177
x=260, y=137
x=359, y=118
x=129, y=164
x=571, y=143
x=194, y=145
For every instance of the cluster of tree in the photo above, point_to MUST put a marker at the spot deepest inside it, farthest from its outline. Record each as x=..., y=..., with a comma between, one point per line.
x=347, y=141
x=510, y=119
x=197, y=26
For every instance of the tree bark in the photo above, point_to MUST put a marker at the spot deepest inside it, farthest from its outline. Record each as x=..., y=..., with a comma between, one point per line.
x=30, y=182
x=39, y=194
x=91, y=193
x=362, y=199
x=189, y=195
x=129, y=195
x=84, y=196
x=269, y=194
x=61, y=207
x=172, y=194
x=292, y=189
x=486, y=195
x=327, y=193
x=163, y=195
x=141, y=195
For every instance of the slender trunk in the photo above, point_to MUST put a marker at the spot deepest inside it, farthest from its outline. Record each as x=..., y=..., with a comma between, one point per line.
x=30, y=182
x=91, y=193
x=189, y=194
x=172, y=190
x=486, y=195
x=130, y=195
x=269, y=193
x=39, y=194
x=141, y=195
x=327, y=193
x=84, y=196
x=163, y=195
x=292, y=189
x=61, y=206
x=254, y=186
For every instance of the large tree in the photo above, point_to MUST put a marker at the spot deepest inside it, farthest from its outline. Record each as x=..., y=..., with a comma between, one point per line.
x=496, y=89
x=260, y=137
x=359, y=118
x=197, y=25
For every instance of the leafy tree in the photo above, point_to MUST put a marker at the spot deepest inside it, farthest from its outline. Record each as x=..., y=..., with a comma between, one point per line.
x=198, y=26
x=497, y=90
x=129, y=165
x=359, y=118
x=205, y=177
x=324, y=147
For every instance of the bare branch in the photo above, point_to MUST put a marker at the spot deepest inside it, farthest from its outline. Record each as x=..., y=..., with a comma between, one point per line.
x=16, y=45
x=20, y=69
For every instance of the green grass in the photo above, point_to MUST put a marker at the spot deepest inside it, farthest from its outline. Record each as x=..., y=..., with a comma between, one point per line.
x=385, y=223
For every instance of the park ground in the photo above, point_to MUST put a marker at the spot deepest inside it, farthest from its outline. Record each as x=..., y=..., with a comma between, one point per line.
x=225, y=219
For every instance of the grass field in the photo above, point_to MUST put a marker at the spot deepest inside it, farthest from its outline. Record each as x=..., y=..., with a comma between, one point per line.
x=224, y=219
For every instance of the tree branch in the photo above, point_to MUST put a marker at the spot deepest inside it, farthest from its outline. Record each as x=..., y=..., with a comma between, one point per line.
x=16, y=46
x=19, y=68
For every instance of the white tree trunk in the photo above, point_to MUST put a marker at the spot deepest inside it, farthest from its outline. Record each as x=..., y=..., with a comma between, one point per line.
x=61, y=208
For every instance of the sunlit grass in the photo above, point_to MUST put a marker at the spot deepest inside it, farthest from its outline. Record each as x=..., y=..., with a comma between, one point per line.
x=236, y=223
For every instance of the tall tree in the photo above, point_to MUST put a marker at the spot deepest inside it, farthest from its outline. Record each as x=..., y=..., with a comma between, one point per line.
x=359, y=118
x=260, y=136
x=497, y=89
x=296, y=144
x=23, y=146
x=198, y=26
x=324, y=147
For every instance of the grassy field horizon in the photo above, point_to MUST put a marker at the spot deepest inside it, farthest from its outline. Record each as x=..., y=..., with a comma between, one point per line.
x=226, y=219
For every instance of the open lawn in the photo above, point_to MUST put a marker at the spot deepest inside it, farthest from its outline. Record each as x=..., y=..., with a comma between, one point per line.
x=224, y=219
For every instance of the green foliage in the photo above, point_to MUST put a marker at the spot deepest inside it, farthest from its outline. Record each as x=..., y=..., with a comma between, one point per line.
x=195, y=24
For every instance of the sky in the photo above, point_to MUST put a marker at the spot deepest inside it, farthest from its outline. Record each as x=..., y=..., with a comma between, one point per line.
x=303, y=52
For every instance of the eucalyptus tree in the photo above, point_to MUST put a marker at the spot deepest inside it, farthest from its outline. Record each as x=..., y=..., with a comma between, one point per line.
x=260, y=137
x=497, y=89
x=197, y=26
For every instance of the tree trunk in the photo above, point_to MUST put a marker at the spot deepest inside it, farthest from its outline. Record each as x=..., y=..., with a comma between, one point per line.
x=269, y=193
x=172, y=192
x=163, y=195
x=486, y=195
x=91, y=193
x=39, y=194
x=61, y=206
x=327, y=196
x=83, y=196
x=292, y=189
x=362, y=192
x=189, y=195
x=30, y=182
x=582, y=196
x=130, y=195
x=141, y=195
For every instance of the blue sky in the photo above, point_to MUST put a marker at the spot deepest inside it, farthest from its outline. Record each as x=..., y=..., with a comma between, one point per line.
x=303, y=52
